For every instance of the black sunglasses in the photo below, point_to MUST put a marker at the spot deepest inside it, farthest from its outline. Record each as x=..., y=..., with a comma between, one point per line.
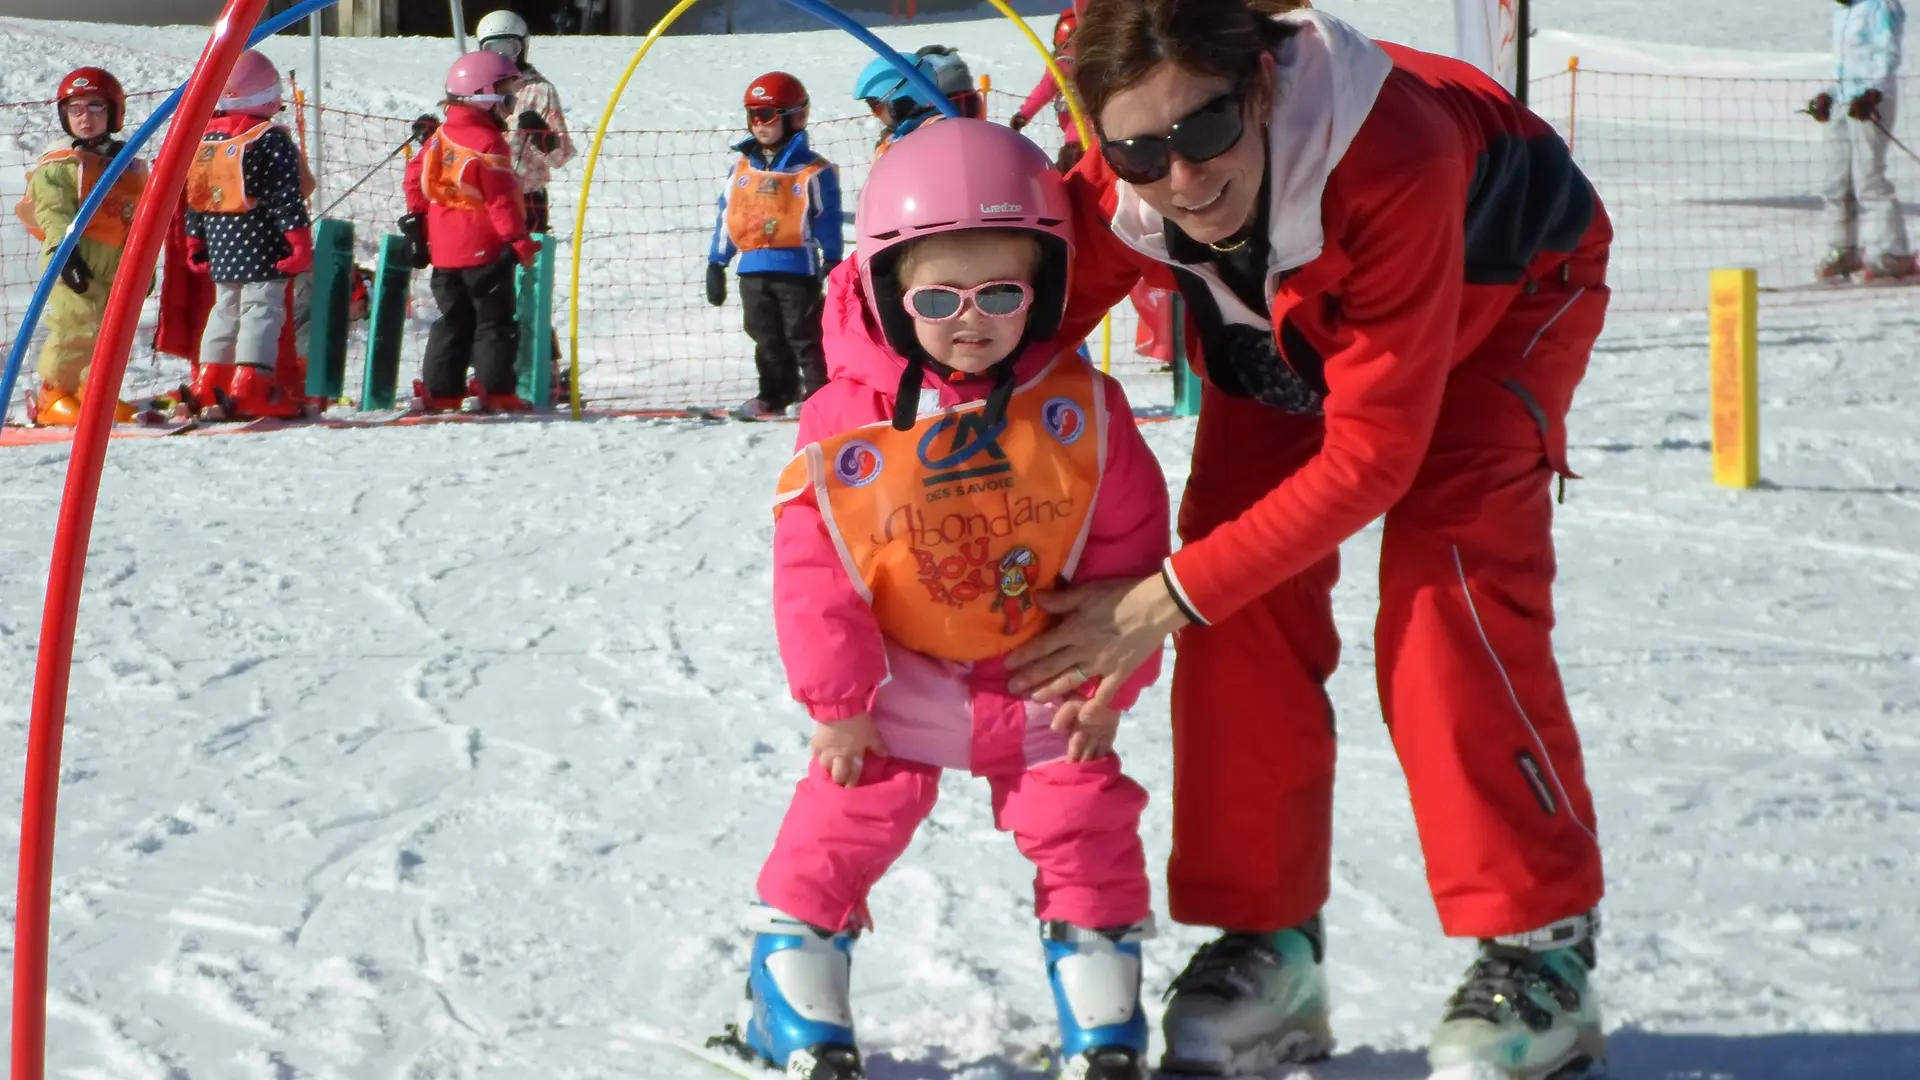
x=1201, y=135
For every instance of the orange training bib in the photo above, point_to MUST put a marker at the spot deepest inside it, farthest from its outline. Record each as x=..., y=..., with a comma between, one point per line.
x=949, y=528
x=443, y=176
x=110, y=223
x=767, y=209
x=217, y=180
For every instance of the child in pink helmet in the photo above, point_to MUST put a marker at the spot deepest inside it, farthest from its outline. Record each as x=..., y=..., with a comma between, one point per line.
x=960, y=459
x=246, y=227
x=466, y=215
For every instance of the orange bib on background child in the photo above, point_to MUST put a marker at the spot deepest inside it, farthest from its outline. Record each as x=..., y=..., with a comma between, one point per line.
x=110, y=222
x=947, y=529
x=767, y=209
x=443, y=173
x=216, y=181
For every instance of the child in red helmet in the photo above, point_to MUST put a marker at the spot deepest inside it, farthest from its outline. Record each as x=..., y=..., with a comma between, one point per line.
x=92, y=108
x=780, y=211
x=465, y=209
x=1049, y=92
x=247, y=228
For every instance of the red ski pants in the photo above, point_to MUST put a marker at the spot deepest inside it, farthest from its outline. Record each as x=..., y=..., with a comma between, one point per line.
x=1468, y=683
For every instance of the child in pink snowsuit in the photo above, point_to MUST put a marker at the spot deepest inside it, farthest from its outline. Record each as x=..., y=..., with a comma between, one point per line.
x=959, y=459
x=1047, y=92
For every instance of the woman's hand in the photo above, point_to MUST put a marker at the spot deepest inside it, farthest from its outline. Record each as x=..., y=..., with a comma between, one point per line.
x=1090, y=728
x=841, y=746
x=1106, y=630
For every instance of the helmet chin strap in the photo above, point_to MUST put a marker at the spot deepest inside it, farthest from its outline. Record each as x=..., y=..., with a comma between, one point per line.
x=906, y=401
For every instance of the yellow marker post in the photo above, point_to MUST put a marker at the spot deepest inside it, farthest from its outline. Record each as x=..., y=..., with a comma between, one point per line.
x=1733, y=352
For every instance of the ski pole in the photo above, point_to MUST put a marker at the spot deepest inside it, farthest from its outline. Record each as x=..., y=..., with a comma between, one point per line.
x=369, y=175
x=1891, y=137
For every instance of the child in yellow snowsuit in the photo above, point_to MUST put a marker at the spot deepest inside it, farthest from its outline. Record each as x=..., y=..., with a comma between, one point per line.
x=92, y=109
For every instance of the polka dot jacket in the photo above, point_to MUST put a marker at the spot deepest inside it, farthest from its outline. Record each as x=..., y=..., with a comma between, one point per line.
x=243, y=247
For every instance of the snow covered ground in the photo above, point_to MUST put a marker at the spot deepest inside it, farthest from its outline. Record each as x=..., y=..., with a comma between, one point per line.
x=451, y=752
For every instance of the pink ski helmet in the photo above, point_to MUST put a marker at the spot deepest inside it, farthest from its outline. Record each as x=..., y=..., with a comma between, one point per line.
x=253, y=88
x=961, y=174
x=477, y=77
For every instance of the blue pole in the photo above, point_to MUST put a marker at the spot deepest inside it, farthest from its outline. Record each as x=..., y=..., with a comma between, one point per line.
x=119, y=165
x=908, y=70
x=144, y=134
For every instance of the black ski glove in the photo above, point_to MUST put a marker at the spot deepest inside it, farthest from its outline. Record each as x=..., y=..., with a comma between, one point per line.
x=414, y=228
x=716, y=284
x=545, y=140
x=424, y=126
x=1821, y=108
x=77, y=274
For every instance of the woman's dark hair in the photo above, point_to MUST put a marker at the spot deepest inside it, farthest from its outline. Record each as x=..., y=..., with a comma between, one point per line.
x=1118, y=42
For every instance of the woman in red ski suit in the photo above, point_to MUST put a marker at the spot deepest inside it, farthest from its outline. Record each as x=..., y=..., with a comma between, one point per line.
x=1395, y=275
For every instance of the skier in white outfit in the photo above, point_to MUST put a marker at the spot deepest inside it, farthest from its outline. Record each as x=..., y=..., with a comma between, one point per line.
x=1866, y=53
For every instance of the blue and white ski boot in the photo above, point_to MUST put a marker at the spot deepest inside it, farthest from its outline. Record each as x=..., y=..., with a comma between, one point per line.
x=1096, y=990
x=796, y=1016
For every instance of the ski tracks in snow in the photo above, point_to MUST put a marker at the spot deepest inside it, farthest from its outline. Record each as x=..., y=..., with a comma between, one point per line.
x=452, y=752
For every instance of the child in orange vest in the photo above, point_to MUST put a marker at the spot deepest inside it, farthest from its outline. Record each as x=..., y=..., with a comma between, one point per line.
x=247, y=228
x=960, y=459
x=780, y=212
x=92, y=108
x=466, y=215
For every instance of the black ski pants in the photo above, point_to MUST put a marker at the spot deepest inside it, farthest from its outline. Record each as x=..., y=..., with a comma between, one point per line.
x=476, y=327
x=782, y=315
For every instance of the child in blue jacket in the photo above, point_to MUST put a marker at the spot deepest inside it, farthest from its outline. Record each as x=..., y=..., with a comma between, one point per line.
x=780, y=210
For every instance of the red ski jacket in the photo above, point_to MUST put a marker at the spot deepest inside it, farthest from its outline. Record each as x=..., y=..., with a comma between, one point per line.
x=1412, y=200
x=475, y=209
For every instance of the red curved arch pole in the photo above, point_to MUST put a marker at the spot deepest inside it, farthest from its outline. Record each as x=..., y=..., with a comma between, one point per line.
x=48, y=717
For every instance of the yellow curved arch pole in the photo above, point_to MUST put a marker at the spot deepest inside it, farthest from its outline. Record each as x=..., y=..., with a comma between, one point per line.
x=1080, y=125
x=586, y=184
x=606, y=120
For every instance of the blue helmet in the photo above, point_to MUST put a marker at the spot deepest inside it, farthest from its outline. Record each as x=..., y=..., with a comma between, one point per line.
x=943, y=67
x=878, y=80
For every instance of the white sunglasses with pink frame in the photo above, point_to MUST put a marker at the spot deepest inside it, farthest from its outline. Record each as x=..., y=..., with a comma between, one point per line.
x=945, y=303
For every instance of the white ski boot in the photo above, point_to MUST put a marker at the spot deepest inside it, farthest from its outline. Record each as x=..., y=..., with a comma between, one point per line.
x=1096, y=990
x=1248, y=1003
x=1525, y=1008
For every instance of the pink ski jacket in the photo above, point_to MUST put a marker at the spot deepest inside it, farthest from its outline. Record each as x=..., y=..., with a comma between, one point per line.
x=838, y=663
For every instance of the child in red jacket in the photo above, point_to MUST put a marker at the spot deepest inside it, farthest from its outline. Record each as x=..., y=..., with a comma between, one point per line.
x=1048, y=93
x=465, y=214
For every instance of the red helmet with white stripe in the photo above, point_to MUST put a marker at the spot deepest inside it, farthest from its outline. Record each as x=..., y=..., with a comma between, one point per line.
x=93, y=82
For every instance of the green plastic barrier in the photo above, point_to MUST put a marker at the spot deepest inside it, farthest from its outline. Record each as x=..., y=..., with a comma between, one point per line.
x=387, y=324
x=533, y=311
x=1186, y=384
x=330, y=315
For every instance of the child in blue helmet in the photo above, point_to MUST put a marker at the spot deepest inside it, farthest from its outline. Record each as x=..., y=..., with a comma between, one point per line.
x=901, y=106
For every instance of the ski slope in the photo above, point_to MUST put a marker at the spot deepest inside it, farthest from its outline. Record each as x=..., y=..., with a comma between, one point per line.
x=451, y=752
